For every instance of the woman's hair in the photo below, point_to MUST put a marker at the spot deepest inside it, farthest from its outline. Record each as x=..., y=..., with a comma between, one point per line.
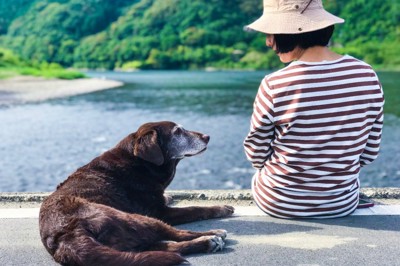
x=285, y=43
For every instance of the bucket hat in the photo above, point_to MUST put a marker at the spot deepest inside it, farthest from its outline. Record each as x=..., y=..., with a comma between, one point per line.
x=292, y=17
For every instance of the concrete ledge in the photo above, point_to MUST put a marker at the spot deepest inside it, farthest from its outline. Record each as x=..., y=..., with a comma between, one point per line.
x=381, y=193
x=16, y=197
x=201, y=195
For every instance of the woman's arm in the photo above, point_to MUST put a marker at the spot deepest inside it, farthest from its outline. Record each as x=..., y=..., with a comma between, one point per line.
x=257, y=144
x=371, y=149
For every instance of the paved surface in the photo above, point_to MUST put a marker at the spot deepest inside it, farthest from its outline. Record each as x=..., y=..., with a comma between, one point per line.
x=370, y=237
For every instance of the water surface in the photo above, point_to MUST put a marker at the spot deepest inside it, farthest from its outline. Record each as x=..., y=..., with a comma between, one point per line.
x=42, y=143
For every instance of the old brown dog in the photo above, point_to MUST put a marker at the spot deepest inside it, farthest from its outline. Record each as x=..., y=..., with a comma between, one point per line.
x=113, y=211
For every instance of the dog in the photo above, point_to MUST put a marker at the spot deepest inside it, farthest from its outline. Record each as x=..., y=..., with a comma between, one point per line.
x=113, y=211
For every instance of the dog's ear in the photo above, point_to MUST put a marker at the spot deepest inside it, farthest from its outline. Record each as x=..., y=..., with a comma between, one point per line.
x=148, y=149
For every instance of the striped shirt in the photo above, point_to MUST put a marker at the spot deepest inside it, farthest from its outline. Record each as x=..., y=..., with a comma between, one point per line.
x=314, y=125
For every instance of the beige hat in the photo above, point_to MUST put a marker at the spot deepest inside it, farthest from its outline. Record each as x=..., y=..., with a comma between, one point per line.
x=293, y=16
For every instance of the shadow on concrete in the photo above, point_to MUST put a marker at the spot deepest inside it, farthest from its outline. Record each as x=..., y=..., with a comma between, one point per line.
x=371, y=222
x=250, y=226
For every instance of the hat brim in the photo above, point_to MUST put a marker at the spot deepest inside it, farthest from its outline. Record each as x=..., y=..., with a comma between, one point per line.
x=294, y=22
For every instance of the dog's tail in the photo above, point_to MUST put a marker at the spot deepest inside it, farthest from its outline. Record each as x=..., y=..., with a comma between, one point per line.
x=86, y=251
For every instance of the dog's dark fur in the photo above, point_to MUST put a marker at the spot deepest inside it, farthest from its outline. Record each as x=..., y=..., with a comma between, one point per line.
x=112, y=211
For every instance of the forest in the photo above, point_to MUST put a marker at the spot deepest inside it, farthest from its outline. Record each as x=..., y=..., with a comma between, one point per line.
x=178, y=34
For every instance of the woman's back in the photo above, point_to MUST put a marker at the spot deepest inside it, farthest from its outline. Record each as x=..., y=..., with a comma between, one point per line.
x=314, y=125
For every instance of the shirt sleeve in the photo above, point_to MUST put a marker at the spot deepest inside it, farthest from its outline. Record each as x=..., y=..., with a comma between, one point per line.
x=371, y=149
x=257, y=144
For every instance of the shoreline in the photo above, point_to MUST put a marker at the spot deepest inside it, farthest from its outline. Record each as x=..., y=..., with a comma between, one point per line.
x=26, y=89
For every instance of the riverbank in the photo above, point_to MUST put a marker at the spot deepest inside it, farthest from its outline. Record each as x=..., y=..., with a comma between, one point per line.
x=23, y=89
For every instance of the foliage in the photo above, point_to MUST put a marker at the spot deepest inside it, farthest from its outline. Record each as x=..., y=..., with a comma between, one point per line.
x=12, y=65
x=10, y=10
x=179, y=34
x=371, y=31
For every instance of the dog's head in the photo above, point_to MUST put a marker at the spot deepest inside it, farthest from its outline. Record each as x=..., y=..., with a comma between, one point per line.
x=160, y=142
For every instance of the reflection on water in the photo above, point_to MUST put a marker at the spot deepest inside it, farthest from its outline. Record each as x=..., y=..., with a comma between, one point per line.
x=42, y=143
x=179, y=91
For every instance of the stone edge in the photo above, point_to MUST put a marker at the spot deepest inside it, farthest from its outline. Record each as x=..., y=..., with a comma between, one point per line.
x=201, y=195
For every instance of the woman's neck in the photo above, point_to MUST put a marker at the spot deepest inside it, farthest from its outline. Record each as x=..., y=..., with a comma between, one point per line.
x=318, y=54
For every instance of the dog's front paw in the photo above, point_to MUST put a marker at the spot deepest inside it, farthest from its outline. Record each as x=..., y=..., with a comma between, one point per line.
x=219, y=232
x=225, y=210
x=230, y=209
x=215, y=243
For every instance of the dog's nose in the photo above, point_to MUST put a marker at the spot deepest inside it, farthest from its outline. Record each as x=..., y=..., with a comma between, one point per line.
x=206, y=138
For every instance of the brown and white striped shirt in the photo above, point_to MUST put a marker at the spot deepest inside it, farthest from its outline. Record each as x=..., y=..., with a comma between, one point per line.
x=313, y=126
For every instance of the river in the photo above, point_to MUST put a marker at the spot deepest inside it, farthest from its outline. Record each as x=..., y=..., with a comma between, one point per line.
x=42, y=143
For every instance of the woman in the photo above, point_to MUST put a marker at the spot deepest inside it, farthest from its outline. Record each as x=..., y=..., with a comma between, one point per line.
x=315, y=122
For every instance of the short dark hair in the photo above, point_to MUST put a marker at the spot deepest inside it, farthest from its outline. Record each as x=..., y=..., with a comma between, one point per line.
x=285, y=43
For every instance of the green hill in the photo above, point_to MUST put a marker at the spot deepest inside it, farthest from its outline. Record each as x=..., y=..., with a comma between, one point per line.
x=179, y=34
